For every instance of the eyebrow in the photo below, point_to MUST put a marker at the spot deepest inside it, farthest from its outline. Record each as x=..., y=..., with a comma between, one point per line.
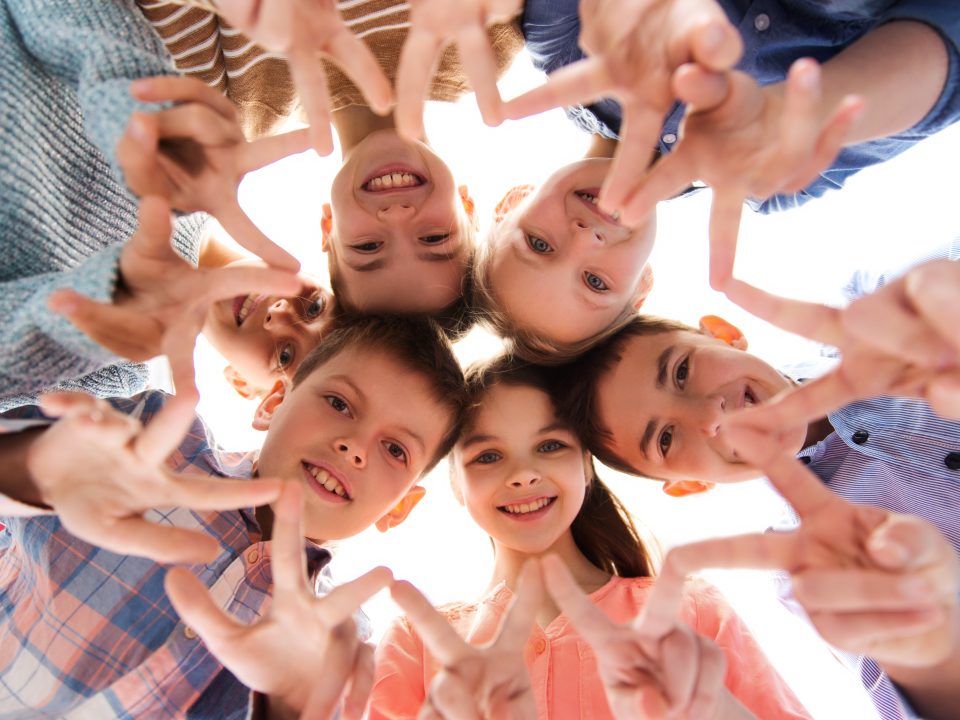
x=662, y=366
x=474, y=439
x=382, y=262
x=352, y=385
x=648, y=436
x=553, y=427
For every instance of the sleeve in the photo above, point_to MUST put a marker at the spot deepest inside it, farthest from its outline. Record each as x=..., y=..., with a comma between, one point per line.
x=865, y=282
x=399, y=686
x=96, y=47
x=944, y=17
x=750, y=676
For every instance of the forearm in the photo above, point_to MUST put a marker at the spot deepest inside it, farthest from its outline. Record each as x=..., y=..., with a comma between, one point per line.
x=18, y=492
x=934, y=692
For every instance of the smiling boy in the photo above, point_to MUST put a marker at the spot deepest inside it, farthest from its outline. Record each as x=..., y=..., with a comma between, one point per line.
x=368, y=414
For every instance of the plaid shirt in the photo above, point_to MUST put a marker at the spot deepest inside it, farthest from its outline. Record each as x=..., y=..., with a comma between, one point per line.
x=89, y=633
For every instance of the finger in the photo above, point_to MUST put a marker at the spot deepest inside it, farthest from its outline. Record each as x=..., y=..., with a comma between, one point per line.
x=480, y=67
x=807, y=319
x=583, y=82
x=832, y=138
x=760, y=551
x=137, y=155
x=934, y=290
x=199, y=123
x=154, y=228
x=520, y=617
x=669, y=175
x=61, y=403
x=164, y=544
x=344, y=600
x=230, y=282
x=799, y=122
x=441, y=639
x=340, y=654
x=124, y=333
x=178, y=344
x=591, y=622
x=197, y=608
x=907, y=542
x=287, y=560
x=242, y=229
x=715, y=43
x=163, y=434
x=202, y=492
x=260, y=153
x=709, y=685
x=361, y=684
x=640, y=126
x=862, y=632
x=311, y=82
x=452, y=697
x=680, y=666
x=725, y=213
x=358, y=62
x=854, y=590
x=172, y=88
x=699, y=88
x=418, y=60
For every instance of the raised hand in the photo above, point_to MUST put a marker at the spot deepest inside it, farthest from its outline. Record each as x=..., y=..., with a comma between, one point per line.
x=746, y=142
x=653, y=671
x=634, y=49
x=304, y=654
x=194, y=155
x=873, y=582
x=305, y=30
x=161, y=301
x=899, y=340
x=489, y=682
x=100, y=471
x=434, y=24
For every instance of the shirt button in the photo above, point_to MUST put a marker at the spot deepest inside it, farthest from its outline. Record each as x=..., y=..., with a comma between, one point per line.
x=669, y=138
x=952, y=461
x=253, y=556
x=540, y=646
x=189, y=633
x=761, y=22
x=861, y=436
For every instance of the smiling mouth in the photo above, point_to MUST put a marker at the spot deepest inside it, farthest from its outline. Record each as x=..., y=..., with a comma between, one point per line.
x=527, y=508
x=243, y=305
x=749, y=398
x=326, y=481
x=593, y=202
x=393, y=180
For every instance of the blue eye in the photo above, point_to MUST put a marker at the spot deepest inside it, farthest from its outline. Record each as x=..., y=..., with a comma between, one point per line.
x=539, y=245
x=396, y=450
x=338, y=404
x=487, y=458
x=594, y=282
x=551, y=446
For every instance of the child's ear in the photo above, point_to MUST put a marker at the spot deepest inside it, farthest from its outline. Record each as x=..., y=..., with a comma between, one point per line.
x=716, y=327
x=402, y=509
x=644, y=286
x=326, y=227
x=469, y=207
x=682, y=488
x=514, y=197
x=268, y=406
x=239, y=383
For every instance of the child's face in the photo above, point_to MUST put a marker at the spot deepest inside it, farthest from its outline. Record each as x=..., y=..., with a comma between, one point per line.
x=265, y=337
x=519, y=471
x=357, y=432
x=562, y=267
x=664, y=402
x=397, y=221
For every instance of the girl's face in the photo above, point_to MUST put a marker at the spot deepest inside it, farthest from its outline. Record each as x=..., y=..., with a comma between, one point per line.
x=519, y=471
x=561, y=266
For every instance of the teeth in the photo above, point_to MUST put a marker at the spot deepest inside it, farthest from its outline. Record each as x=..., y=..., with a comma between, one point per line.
x=394, y=180
x=524, y=508
x=748, y=400
x=327, y=480
x=245, y=308
x=594, y=200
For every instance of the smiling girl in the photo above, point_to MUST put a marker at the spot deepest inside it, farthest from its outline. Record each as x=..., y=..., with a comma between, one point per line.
x=524, y=477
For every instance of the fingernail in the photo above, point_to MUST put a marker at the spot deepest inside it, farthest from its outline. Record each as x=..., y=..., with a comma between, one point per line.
x=140, y=85
x=137, y=130
x=916, y=588
x=893, y=553
x=63, y=305
x=713, y=37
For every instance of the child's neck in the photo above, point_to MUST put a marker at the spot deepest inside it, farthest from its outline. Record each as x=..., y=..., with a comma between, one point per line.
x=356, y=122
x=510, y=562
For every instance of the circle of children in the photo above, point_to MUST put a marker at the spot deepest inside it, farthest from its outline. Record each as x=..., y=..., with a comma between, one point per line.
x=147, y=574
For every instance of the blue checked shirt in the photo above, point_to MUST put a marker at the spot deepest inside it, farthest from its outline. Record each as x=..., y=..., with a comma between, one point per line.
x=87, y=633
x=775, y=33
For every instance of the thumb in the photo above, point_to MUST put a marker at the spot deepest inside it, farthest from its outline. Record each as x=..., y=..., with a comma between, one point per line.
x=152, y=238
x=905, y=542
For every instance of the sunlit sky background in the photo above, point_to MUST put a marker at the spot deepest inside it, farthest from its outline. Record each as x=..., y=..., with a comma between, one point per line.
x=883, y=218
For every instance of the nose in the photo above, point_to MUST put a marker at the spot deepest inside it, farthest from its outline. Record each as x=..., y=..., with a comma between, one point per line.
x=396, y=212
x=711, y=415
x=523, y=477
x=586, y=232
x=353, y=451
x=280, y=313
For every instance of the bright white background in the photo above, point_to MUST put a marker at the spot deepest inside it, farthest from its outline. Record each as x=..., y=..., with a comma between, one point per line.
x=884, y=217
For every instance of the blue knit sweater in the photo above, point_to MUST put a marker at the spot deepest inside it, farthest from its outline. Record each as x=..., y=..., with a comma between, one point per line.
x=65, y=71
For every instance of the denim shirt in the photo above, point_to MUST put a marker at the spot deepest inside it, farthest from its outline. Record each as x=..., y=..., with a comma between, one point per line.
x=775, y=33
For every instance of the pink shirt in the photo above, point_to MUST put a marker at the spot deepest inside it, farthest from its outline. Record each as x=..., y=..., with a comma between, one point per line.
x=563, y=670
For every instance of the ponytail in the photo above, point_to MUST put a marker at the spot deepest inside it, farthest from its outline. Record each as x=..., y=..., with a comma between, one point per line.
x=606, y=535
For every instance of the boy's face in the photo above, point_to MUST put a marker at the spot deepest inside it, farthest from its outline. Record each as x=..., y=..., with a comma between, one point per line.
x=666, y=398
x=396, y=227
x=519, y=471
x=563, y=267
x=265, y=337
x=357, y=432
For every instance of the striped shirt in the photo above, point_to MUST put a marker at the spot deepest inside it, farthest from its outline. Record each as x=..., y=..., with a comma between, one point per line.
x=88, y=633
x=259, y=82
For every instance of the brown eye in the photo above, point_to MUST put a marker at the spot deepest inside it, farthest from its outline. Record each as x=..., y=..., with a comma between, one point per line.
x=665, y=440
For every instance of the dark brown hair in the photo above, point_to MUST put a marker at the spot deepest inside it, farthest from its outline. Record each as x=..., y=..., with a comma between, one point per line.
x=416, y=343
x=603, y=529
x=575, y=386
